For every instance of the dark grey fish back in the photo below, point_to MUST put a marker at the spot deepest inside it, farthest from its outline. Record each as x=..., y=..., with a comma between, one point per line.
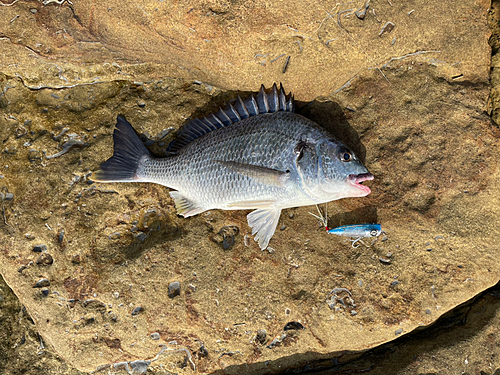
x=237, y=110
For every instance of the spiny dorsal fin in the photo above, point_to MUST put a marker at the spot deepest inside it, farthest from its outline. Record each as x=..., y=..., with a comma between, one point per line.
x=236, y=110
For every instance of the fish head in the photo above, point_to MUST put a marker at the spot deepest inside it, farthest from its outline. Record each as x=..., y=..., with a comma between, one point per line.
x=330, y=171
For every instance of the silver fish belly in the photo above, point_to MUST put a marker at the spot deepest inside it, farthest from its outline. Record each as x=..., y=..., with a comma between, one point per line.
x=255, y=154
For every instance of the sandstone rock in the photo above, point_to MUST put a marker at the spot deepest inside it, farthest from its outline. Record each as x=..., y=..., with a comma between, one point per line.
x=417, y=117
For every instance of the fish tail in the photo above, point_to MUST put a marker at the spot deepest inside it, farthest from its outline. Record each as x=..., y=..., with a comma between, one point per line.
x=128, y=155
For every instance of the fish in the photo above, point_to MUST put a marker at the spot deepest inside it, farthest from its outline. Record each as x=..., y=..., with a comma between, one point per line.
x=255, y=154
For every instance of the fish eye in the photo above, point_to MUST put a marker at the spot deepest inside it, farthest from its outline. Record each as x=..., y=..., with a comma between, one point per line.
x=299, y=149
x=373, y=233
x=345, y=155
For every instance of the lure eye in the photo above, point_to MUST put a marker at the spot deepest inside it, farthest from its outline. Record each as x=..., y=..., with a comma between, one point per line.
x=345, y=155
x=373, y=233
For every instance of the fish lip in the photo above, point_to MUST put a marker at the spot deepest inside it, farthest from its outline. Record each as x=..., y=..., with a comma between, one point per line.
x=357, y=179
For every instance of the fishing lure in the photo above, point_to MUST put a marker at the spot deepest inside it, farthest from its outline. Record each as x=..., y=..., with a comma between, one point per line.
x=355, y=231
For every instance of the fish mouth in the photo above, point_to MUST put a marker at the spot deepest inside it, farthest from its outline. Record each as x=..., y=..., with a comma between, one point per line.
x=357, y=179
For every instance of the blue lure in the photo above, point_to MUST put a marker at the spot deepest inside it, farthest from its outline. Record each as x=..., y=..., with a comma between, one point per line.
x=356, y=231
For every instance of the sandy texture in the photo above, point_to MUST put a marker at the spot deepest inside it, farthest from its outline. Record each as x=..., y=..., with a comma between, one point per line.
x=419, y=119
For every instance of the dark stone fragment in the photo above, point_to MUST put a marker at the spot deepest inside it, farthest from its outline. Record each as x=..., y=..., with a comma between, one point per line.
x=399, y=331
x=22, y=268
x=77, y=258
x=226, y=236
x=8, y=196
x=384, y=261
x=261, y=336
x=142, y=105
x=139, y=366
x=60, y=235
x=40, y=248
x=45, y=292
x=42, y=283
x=202, y=351
x=394, y=283
x=174, y=289
x=45, y=260
x=361, y=12
x=293, y=325
x=137, y=310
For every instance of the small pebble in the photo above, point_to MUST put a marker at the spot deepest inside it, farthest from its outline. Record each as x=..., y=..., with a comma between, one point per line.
x=77, y=258
x=45, y=259
x=290, y=216
x=39, y=248
x=137, y=310
x=388, y=255
x=361, y=12
x=394, y=283
x=174, y=289
x=22, y=268
x=142, y=105
x=429, y=249
x=387, y=28
x=33, y=10
x=360, y=283
x=45, y=292
x=261, y=336
x=354, y=312
x=399, y=331
x=155, y=336
x=116, y=295
x=384, y=238
x=283, y=227
x=293, y=325
x=7, y=196
x=428, y=311
x=42, y=283
x=114, y=236
x=29, y=236
x=384, y=261
x=60, y=235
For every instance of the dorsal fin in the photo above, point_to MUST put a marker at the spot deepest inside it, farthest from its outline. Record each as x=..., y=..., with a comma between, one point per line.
x=236, y=110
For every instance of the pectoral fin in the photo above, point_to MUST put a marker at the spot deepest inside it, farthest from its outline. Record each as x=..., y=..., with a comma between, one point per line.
x=264, y=175
x=263, y=223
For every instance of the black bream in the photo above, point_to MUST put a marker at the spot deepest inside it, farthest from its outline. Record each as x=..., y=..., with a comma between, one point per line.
x=254, y=154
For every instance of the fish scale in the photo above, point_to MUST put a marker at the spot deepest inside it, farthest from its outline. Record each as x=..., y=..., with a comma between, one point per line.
x=254, y=154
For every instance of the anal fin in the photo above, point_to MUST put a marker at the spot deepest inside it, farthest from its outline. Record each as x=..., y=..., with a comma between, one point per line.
x=185, y=206
x=263, y=223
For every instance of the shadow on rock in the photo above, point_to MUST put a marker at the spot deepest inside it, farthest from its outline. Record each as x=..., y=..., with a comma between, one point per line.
x=330, y=116
x=128, y=241
x=361, y=215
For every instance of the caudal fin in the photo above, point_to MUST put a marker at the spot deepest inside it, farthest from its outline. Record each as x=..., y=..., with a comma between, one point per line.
x=127, y=155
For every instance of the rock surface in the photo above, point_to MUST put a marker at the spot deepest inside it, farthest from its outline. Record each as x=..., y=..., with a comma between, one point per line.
x=415, y=109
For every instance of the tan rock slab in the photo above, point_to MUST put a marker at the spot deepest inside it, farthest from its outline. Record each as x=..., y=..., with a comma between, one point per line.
x=419, y=120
